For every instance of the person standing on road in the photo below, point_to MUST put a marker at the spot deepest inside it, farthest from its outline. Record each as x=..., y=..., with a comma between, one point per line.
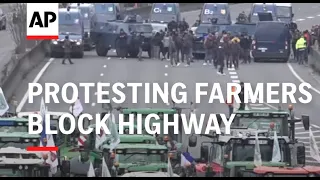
x=245, y=49
x=123, y=44
x=235, y=52
x=156, y=42
x=187, y=47
x=220, y=59
x=179, y=50
x=172, y=50
x=67, y=46
x=208, y=46
x=301, y=47
x=165, y=50
x=140, y=43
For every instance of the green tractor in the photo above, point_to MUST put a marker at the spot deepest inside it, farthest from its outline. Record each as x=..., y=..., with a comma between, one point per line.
x=17, y=162
x=232, y=155
x=139, y=157
x=283, y=121
x=14, y=133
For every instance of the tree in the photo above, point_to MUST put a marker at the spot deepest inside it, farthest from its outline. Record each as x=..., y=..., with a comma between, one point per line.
x=17, y=22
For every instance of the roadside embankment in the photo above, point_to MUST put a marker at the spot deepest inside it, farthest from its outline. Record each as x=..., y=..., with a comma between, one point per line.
x=14, y=73
x=314, y=59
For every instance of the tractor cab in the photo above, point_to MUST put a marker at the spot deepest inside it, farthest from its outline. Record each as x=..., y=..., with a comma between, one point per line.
x=17, y=162
x=139, y=157
x=233, y=155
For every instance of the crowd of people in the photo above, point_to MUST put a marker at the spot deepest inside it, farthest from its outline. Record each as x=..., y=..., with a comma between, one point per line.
x=175, y=44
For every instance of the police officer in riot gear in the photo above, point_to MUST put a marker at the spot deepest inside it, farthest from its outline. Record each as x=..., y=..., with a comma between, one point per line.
x=242, y=17
x=140, y=41
x=183, y=25
x=67, y=46
x=172, y=25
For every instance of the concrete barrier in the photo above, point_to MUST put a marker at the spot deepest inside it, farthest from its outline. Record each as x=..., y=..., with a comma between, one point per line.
x=314, y=59
x=16, y=71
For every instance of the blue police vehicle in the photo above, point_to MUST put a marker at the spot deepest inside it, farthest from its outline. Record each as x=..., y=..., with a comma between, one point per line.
x=87, y=11
x=70, y=24
x=219, y=11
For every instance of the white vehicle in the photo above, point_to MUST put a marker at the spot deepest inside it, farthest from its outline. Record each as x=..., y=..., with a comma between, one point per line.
x=158, y=26
x=148, y=174
x=16, y=162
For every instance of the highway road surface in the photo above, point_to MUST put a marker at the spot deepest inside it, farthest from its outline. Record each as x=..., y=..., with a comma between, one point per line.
x=111, y=69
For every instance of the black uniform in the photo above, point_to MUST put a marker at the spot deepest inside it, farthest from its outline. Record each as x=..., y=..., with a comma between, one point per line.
x=67, y=50
x=172, y=25
x=183, y=25
x=122, y=43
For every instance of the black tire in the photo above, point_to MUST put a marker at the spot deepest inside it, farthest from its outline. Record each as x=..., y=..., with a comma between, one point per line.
x=198, y=56
x=256, y=59
x=149, y=53
x=4, y=27
x=286, y=59
x=133, y=53
x=80, y=54
x=101, y=49
x=54, y=55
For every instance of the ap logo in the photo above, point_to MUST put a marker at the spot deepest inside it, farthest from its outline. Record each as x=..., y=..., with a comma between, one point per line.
x=42, y=21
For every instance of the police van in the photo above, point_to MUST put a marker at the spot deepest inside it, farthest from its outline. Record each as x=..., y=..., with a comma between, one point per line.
x=111, y=11
x=262, y=8
x=165, y=12
x=221, y=11
x=87, y=11
x=271, y=41
x=70, y=24
x=284, y=12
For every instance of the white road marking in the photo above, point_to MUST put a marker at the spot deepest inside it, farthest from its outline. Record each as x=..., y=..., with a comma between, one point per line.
x=109, y=58
x=231, y=69
x=101, y=74
x=99, y=82
x=300, y=19
x=165, y=74
x=114, y=51
x=300, y=79
x=310, y=17
x=168, y=104
x=93, y=104
x=236, y=81
x=232, y=73
x=36, y=79
x=166, y=66
x=104, y=66
x=318, y=15
x=234, y=77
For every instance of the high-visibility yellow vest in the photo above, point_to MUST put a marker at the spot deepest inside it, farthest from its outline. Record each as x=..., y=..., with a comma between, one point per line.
x=301, y=43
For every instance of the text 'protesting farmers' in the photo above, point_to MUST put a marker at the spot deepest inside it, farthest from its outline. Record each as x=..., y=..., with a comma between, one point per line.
x=151, y=122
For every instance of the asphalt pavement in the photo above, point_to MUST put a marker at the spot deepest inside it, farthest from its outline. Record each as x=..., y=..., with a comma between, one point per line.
x=111, y=69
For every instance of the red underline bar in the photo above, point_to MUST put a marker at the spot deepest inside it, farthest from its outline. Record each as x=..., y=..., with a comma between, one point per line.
x=42, y=37
x=35, y=148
